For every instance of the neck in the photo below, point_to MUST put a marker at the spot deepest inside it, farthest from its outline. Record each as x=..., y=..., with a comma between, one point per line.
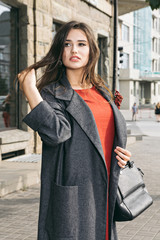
x=75, y=79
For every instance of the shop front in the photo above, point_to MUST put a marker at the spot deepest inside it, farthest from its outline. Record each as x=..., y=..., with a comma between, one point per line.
x=13, y=141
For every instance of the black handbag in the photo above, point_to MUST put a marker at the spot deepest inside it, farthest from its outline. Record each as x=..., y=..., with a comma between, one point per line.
x=132, y=195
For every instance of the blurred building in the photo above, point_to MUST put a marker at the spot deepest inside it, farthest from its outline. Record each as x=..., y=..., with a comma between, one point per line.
x=27, y=28
x=139, y=74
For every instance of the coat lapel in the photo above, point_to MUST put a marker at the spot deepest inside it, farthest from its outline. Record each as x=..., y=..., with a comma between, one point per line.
x=80, y=112
x=84, y=117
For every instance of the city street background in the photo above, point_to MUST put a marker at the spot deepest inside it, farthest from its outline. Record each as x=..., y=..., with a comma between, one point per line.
x=19, y=210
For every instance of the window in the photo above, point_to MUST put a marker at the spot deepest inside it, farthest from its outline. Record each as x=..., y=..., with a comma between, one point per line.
x=152, y=22
x=155, y=47
x=125, y=63
x=9, y=114
x=156, y=24
x=137, y=60
x=154, y=65
x=154, y=89
x=125, y=33
x=102, y=62
x=134, y=88
x=55, y=28
x=93, y=2
x=152, y=44
x=159, y=89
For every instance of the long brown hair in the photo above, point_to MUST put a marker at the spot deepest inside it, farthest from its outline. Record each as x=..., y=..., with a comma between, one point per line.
x=52, y=61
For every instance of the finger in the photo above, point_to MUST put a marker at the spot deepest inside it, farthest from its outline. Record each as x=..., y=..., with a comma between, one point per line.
x=121, y=165
x=21, y=77
x=122, y=162
x=122, y=156
x=124, y=151
x=24, y=75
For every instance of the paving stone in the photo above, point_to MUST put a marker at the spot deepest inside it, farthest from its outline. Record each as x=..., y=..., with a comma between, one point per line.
x=21, y=215
x=147, y=225
x=19, y=210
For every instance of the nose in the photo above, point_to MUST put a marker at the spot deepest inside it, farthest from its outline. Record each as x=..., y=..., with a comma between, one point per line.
x=74, y=48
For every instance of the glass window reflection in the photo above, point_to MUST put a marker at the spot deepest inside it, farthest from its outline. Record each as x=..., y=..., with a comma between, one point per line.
x=8, y=66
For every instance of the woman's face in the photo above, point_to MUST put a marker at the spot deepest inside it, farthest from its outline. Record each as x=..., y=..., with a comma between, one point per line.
x=76, y=50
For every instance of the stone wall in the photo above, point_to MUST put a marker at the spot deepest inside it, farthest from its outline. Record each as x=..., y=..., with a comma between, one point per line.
x=35, y=33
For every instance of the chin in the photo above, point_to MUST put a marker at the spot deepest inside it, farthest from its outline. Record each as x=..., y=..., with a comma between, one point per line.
x=74, y=67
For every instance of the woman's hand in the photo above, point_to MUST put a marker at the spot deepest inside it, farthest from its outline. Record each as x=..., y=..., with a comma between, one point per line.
x=27, y=79
x=27, y=82
x=123, y=156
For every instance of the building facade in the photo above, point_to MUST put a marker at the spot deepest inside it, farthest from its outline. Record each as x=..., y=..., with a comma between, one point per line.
x=27, y=28
x=139, y=74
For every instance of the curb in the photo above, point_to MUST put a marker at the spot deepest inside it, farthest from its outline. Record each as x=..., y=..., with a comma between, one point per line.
x=18, y=175
x=19, y=182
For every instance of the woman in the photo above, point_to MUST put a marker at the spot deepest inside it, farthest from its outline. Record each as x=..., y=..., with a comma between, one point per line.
x=83, y=135
x=134, y=111
x=157, y=111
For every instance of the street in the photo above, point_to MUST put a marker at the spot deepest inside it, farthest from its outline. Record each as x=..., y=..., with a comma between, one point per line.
x=19, y=210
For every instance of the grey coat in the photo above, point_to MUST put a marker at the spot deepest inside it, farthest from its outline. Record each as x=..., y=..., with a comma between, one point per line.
x=74, y=180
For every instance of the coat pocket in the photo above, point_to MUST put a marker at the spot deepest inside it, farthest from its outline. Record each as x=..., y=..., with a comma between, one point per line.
x=62, y=217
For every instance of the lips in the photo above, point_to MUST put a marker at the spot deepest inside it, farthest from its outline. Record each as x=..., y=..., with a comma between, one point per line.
x=74, y=58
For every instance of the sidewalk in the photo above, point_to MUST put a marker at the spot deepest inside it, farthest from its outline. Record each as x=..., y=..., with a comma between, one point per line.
x=19, y=210
x=19, y=173
x=145, y=114
x=145, y=154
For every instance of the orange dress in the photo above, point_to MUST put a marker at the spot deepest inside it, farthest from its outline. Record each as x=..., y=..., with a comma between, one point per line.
x=103, y=115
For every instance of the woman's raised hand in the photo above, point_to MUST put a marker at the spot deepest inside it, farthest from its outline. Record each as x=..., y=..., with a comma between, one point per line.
x=27, y=79
x=27, y=82
x=123, y=156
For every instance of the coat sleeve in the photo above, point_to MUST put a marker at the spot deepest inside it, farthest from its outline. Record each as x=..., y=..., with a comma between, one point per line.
x=48, y=118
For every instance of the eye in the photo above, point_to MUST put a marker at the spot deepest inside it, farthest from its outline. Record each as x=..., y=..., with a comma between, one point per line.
x=67, y=44
x=82, y=44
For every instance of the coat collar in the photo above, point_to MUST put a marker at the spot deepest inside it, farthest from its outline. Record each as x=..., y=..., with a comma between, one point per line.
x=63, y=89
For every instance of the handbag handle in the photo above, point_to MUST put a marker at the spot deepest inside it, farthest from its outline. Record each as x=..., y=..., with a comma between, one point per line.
x=130, y=164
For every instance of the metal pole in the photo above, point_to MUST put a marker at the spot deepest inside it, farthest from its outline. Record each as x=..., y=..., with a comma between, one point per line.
x=115, y=45
x=35, y=58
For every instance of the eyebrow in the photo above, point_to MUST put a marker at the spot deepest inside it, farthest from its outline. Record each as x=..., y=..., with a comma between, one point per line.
x=68, y=40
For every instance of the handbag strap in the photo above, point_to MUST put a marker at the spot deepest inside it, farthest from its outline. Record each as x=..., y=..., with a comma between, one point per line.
x=130, y=164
